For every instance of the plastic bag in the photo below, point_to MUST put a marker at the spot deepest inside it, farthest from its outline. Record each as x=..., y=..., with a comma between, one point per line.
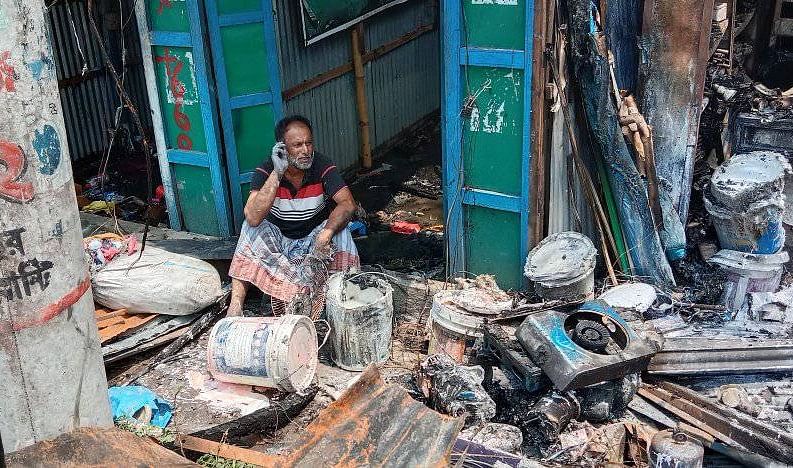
x=160, y=282
x=455, y=389
x=125, y=402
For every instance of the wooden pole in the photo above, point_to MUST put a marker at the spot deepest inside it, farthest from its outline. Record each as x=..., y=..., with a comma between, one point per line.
x=360, y=96
x=539, y=163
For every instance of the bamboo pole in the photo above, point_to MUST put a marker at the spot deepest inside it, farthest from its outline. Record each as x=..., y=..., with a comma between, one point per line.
x=356, y=35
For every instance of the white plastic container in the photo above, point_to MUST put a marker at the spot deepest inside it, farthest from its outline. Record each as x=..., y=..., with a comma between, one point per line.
x=274, y=352
x=747, y=273
x=360, y=321
x=453, y=329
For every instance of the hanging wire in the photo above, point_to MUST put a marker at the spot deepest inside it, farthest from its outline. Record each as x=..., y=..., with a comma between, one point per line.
x=84, y=70
x=132, y=108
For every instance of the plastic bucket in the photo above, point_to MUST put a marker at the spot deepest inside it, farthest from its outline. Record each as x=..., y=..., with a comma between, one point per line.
x=453, y=330
x=562, y=266
x=360, y=320
x=745, y=201
x=275, y=352
x=748, y=273
x=757, y=230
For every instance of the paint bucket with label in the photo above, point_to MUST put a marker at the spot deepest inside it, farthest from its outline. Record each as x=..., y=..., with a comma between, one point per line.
x=453, y=329
x=745, y=200
x=360, y=310
x=274, y=352
x=562, y=267
x=747, y=273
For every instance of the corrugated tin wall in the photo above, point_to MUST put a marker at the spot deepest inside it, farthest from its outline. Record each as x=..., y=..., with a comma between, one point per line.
x=88, y=92
x=402, y=86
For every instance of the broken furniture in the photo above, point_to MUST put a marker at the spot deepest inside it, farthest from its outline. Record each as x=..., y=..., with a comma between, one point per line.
x=112, y=323
x=727, y=425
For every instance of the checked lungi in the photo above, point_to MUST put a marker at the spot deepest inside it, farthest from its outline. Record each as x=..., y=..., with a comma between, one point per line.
x=270, y=261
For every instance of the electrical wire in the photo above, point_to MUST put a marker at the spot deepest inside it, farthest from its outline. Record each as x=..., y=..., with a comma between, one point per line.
x=132, y=108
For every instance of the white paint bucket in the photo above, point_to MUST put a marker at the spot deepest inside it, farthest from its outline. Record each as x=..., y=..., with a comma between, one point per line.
x=748, y=273
x=360, y=318
x=454, y=330
x=745, y=201
x=275, y=352
x=562, y=266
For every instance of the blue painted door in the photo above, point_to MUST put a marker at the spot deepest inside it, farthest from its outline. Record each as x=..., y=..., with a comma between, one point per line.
x=486, y=118
x=245, y=62
x=183, y=86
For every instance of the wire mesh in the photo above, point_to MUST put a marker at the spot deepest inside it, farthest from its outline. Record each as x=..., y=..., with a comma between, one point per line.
x=311, y=274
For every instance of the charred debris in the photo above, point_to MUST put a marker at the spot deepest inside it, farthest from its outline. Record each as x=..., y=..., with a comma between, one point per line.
x=662, y=338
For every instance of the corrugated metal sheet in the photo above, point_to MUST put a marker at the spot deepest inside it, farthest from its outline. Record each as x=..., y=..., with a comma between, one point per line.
x=568, y=209
x=402, y=86
x=88, y=92
x=375, y=424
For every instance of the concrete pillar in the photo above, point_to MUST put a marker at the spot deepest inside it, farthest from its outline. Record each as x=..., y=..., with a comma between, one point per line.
x=52, y=377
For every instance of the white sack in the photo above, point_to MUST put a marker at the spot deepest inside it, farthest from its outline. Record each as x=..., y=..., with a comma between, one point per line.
x=160, y=282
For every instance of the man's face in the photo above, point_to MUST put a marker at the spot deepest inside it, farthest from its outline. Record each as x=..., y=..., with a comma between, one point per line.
x=299, y=146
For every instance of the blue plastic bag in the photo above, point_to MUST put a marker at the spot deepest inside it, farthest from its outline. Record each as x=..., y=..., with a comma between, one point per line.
x=126, y=401
x=357, y=228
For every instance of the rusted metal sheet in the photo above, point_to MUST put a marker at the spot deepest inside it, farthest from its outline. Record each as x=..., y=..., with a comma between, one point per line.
x=376, y=424
x=113, y=323
x=674, y=45
x=725, y=424
x=96, y=447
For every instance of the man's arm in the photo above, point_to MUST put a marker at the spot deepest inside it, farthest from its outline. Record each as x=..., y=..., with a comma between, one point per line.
x=260, y=201
x=338, y=219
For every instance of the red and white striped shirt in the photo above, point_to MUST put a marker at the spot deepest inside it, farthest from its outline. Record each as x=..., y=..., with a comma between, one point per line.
x=297, y=211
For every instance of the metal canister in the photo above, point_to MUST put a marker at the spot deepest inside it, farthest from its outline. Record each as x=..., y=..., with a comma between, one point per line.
x=674, y=449
x=554, y=412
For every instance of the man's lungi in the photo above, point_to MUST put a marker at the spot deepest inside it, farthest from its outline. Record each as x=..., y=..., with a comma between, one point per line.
x=270, y=261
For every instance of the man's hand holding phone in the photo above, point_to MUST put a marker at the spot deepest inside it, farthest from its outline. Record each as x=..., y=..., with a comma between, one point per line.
x=279, y=157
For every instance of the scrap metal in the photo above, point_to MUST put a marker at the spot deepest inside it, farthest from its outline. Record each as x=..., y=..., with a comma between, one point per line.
x=546, y=337
x=91, y=446
x=376, y=424
x=729, y=426
x=700, y=356
x=500, y=347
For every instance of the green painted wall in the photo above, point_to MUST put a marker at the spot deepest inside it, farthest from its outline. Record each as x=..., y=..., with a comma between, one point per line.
x=181, y=110
x=168, y=15
x=196, y=198
x=494, y=25
x=245, y=57
x=494, y=133
x=493, y=245
x=238, y=6
x=254, y=135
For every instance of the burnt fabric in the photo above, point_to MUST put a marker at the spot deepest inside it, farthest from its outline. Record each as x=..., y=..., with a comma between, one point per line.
x=297, y=212
x=269, y=260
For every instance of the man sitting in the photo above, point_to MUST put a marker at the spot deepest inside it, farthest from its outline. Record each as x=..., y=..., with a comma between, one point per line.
x=298, y=205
